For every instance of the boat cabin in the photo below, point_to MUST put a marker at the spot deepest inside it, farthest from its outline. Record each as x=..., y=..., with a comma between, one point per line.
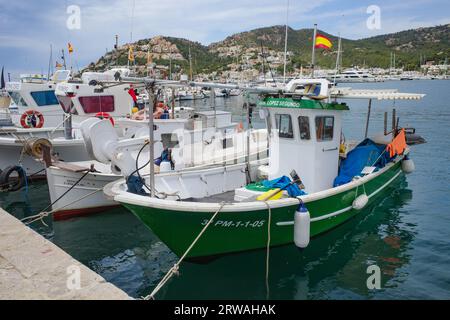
x=36, y=92
x=84, y=100
x=305, y=133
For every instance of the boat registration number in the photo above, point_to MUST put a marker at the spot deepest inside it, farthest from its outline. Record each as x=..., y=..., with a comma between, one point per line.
x=236, y=224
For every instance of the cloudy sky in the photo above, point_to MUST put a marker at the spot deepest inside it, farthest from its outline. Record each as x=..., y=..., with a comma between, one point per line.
x=28, y=27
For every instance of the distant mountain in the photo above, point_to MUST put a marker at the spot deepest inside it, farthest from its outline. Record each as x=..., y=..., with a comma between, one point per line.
x=243, y=50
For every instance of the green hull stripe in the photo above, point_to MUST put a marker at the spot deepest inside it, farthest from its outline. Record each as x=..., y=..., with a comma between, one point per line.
x=291, y=223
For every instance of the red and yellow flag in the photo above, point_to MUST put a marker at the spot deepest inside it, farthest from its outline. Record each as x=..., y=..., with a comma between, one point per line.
x=130, y=54
x=323, y=42
x=70, y=47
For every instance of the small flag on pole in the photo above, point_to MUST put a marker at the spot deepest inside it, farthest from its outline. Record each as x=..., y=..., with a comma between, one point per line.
x=323, y=42
x=130, y=54
x=70, y=47
x=58, y=65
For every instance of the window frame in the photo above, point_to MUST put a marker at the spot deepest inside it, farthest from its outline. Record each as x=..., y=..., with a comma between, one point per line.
x=278, y=125
x=103, y=109
x=321, y=139
x=47, y=98
x=308, y=137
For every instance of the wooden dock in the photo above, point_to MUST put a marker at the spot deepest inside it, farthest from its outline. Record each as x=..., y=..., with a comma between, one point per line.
x=33, y=268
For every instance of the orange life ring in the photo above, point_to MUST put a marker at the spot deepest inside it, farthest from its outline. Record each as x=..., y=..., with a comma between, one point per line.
x=105, y=115
x=29, y=119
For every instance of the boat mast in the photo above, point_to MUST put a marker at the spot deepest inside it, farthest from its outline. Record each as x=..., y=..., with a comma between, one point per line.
x=50, y=63
x=63, y=57
x=313, y=59
x=286, y=42
x=338, y=59
x=190, y=63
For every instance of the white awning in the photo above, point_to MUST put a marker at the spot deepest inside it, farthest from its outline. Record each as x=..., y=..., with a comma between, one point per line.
x=377, y=94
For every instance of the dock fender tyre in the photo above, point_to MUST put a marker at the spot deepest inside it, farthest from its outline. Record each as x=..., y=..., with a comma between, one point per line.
x=13, y=184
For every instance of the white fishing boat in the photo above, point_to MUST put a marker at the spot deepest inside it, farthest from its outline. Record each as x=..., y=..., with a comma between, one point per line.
x=206, y=139
x=67, y=103
x=334, y=182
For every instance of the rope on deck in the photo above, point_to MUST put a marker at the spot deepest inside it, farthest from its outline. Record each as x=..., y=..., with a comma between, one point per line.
x=175, y=268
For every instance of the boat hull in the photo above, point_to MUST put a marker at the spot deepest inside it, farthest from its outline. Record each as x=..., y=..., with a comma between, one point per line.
x=236, y=231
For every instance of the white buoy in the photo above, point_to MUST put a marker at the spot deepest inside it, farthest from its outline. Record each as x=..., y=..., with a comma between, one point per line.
x=360, y=202
x=302, y=222
x=165, y=167
x=408, y=166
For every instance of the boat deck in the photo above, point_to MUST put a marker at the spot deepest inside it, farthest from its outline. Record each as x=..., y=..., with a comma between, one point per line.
x=227, y=197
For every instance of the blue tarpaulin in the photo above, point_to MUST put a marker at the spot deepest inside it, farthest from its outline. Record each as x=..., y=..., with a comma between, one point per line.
x=293, y=190
x=364, y=155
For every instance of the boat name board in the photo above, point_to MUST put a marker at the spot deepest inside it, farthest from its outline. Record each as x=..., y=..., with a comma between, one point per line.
x=290, y=103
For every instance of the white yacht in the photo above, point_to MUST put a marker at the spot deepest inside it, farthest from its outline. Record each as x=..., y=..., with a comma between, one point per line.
x=352, y=76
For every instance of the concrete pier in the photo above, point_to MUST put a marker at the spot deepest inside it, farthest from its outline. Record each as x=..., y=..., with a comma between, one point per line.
x=34, y=268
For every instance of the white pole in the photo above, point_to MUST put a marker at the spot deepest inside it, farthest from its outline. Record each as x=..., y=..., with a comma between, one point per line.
x=338, y=59
x=286, y=42
x=152, y=101
x=313, y=59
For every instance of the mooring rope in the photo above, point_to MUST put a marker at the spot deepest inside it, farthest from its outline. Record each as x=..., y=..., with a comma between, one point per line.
x=175, y=268
x=44, y=214
x=269, y=209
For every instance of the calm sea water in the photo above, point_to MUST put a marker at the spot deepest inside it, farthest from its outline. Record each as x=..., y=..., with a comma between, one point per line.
x=407, y=234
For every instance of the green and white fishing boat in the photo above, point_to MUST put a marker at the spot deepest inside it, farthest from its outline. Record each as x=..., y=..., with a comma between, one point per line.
x=305, y=125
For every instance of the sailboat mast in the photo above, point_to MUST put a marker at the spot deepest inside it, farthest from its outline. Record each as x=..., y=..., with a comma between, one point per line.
x=63, y=57
x=313, y=59
x=286, y=42
x=50, y=62
x=338, y=59
x=190, y=63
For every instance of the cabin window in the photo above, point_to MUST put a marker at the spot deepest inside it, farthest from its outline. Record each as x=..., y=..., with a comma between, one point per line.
x=97, y=104
x=284, y=126
x=17, y=98
x=303, y=124
x=324, y=128
x=44, y=98
x=169, y=140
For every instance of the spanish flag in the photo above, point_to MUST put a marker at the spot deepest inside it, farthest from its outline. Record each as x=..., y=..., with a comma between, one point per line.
x=323, y=42
x=70, y=47
x=130, y=54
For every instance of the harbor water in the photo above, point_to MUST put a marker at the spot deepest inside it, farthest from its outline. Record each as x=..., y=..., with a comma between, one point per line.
x=406, y=233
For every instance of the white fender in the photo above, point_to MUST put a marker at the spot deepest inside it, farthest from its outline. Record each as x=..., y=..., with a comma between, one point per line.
x=408, y=166
x=360, y=202
x=302, y=222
